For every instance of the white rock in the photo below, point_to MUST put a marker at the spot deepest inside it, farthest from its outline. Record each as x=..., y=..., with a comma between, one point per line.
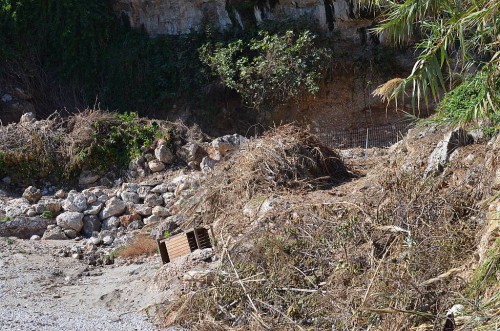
x=93, y=209
x=143, y=210
x=110, y=223
x=151, y=219
x=164, y=154
x=75, y=202
x=207, y=164
x=35, y=237
x=28, y=118
x=162, y=188
x=108, y=240
x=114, y=207
x=160, y=211
x=70, y=220
x=142, y=191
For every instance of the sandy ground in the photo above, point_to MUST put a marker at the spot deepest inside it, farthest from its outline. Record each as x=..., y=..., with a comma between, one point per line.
x=40, y=290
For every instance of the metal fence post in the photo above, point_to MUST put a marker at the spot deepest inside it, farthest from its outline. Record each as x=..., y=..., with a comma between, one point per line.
x=366, y=145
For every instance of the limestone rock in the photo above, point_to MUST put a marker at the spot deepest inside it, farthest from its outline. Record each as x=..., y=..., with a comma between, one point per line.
x=143, y=210
x=152, y=219
x=93, y=209
x=32, y=194
x=225, y=145
x=153, y=200
x=164, y=154
x=110, y=223
x=160, y=189
x=156, y=165
x=441, y=154
x=114, y=207
x=70, y=220
x=108, y=240
x=27, y=118
x=130, y=197
x=207, y=164
x=55, y=233
x=75, y=202
x=24, y=227
x=160, y=211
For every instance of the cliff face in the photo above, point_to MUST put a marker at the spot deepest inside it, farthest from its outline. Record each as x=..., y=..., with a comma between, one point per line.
x=182, y=16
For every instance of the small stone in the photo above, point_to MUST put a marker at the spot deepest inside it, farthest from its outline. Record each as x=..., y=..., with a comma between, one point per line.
x=153, y=200
x=152, y=219
x=160, y=189
x=160, y=211
x=32, y=194
x=93, y=209
x=35, y=237
x=70, y=233
x=143, y=210
x=76, y=256
x=90, y=224
x=207, y=164
x=55, y=233
x=108, y=240
x=28, y=118
x=88, y=178
x=135, y=225
x=110, y=223
x=130, y=187
x=142, y=191
x=60, y=194
x=31, y=212
x=130, y=197
x=156, y=165
x=95, y=241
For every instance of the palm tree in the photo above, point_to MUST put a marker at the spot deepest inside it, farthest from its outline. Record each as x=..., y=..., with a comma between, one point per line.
x=456, y=38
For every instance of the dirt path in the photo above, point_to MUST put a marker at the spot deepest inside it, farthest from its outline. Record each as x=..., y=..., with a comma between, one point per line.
x=40, y=290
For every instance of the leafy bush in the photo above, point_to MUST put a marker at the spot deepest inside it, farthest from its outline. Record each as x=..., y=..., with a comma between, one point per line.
x=270, y=69
x=464, y=103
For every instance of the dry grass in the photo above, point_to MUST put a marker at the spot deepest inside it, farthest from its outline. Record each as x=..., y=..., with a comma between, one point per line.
x=386, y=91
x=284, y=159
x=141, y=245
x=392, y=258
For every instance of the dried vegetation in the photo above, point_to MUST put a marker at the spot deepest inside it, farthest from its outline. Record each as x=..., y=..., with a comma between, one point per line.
x=391, y=251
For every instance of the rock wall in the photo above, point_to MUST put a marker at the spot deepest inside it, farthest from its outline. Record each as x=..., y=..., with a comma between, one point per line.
x=182, y=16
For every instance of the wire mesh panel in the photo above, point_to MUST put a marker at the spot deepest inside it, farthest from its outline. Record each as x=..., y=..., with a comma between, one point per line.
x=379, y=136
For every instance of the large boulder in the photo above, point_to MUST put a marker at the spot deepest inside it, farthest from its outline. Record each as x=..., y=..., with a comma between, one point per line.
x=114, y=207
x=75, y=202
x=24, y=227
x=70, y=220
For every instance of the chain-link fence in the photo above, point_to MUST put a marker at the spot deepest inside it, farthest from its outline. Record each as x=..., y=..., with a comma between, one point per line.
x=379, y=136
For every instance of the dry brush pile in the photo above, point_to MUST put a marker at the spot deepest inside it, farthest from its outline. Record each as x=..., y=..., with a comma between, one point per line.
x=59, y=148
x=395, y=257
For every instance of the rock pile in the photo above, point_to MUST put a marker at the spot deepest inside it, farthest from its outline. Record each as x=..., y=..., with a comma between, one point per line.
x=100, y=216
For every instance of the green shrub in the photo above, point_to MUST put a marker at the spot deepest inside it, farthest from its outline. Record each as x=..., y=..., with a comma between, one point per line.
x=47, y=214
x=270, y=69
